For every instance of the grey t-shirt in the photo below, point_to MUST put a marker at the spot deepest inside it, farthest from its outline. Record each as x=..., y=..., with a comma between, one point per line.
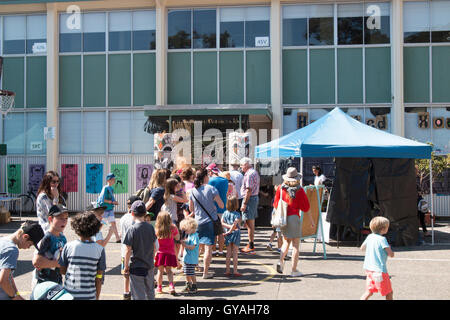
x=9, y=253
x=141, y=238
x=205, y=194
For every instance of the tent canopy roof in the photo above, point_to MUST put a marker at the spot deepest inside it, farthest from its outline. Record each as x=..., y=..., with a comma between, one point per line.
x=336, y=134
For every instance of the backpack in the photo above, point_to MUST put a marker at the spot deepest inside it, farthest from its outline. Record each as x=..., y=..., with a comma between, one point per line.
x=143, y=193
x=422, y=206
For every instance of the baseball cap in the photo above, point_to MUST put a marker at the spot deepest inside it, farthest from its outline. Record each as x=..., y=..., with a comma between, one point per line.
x=34, y=230
x=56, y=210
x=94, y=205
x=132, y=199
x=110, y=176
x=138, y=207
x=213, y=167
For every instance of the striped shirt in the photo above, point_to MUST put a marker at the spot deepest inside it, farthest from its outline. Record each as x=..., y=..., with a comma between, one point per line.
x=251, y=180
x=82, y=260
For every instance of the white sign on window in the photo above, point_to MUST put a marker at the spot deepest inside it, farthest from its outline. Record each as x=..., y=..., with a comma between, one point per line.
x=261, y=41
x=49, y=133
x=36, y=146
x=39, y=47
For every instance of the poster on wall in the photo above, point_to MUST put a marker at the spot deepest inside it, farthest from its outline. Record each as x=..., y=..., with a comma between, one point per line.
x=14, y=176
x=36, y=173
x=143, y=175
x=94, y=177
x=121, y=173
x=163, y=146
x=239, y=146
x=69, y=177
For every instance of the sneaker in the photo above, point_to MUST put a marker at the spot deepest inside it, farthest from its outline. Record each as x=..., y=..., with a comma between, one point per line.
x=214, y=253
x=280, y=266
x=222, y=254
x=159, y=290
x=127, y=296
x=171, y=289
x=193, y=289
x=187, y=288
x=269, y=247
x=247, y=249
x=296, y=274
x=208, y=276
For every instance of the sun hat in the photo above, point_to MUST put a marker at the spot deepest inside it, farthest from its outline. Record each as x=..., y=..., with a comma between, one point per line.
x=292, y=175
x=110, y=176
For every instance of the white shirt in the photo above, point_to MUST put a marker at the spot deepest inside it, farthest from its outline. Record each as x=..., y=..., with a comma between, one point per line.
x=318, y=180
x=237, y=178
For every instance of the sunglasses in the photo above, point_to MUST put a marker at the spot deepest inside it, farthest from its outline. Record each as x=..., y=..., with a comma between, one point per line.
x=55, y=181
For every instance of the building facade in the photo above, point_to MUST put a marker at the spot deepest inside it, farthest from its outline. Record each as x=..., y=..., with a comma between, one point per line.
x=94, y=71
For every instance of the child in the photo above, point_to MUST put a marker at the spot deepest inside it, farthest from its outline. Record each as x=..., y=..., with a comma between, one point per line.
x=45, y=259
x=125, y=224
x=231, y=220
x=165, y=258
x=377, y=251
x=190, y=254
x=83, y=261
x=98, y=210
x=30, y=233
x=106, y=198
x=140, y=240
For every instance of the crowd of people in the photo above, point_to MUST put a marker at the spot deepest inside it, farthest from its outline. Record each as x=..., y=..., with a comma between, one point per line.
x=177, y=218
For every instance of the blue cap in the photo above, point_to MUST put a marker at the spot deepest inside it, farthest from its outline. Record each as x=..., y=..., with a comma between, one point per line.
x=110, y=176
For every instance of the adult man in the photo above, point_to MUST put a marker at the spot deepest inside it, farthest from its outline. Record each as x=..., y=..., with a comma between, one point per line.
x=221, y=184
x=237, y=177
x=249, y=207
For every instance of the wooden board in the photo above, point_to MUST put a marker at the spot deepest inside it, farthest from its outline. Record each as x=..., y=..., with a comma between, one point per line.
x=314, y=202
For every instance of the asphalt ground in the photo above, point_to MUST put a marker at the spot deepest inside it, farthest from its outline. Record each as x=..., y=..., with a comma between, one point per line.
x=417, y=273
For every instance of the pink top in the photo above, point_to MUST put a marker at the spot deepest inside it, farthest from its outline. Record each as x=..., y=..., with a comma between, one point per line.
x=188, y=185
x=167, y=245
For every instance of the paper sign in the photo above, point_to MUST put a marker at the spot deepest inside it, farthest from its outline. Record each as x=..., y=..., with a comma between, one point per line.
x=14, y=176
x=143, y=175
x=94, y=177
x=36, y=173
x=121, y=173
x=261, y=41
x=69, y=177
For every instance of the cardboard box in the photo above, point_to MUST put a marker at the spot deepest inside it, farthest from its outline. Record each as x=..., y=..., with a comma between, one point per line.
x=5, y=216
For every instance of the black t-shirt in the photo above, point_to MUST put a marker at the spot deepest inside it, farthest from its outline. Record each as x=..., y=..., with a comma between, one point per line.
x=158, y=196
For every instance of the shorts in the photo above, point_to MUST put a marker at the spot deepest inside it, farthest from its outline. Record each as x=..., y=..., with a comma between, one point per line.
x=109, y=216
x=189, y=269
x=251, y=211
x=384, y=287
x=206, y=233
x=293, y=228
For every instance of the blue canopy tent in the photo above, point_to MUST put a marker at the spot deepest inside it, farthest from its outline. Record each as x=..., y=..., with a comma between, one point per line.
x=338, y=135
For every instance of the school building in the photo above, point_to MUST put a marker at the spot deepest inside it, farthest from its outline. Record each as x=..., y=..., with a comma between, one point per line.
x=90, y=76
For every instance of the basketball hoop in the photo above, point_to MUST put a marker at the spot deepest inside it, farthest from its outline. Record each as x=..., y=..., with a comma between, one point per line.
x=6, y=101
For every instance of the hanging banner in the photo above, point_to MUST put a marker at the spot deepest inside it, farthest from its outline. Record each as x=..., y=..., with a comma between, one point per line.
x=14, y=176
x=69, y=177
x=94, y=177
x=239, y=146
x=121, y=173
x=36, y=173
x=163, y=146
x=143, y=174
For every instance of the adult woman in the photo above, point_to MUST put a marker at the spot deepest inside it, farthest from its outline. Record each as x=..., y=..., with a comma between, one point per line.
x=319, y=178
x=202, y=198
x=293, y=194
x=49, y=193
x=157, y=189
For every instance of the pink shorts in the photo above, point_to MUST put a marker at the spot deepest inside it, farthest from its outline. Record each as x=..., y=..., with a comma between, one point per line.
x=383, y=287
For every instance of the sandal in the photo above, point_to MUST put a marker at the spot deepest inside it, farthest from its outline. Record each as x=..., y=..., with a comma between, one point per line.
x=237, y=274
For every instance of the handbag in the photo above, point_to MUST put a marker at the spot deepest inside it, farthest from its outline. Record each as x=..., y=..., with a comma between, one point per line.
x=279, y=215
x=218, y=228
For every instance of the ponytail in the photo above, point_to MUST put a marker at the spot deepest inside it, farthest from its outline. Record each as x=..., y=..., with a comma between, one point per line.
x=199, y=177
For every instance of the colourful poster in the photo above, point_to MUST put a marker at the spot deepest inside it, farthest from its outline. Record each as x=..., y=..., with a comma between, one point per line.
x=121, y=173
x=14, y=176
x=143, y=174
x=94, y=177
x=69, y=177
x=36, y=173
x=163, y=147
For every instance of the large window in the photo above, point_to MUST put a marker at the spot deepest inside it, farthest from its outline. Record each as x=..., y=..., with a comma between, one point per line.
x=24, y=133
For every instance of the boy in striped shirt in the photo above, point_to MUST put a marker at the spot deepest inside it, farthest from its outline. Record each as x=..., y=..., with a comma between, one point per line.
x=83, y=261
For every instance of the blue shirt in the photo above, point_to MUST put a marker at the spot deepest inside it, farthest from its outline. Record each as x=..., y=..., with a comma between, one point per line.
x=9, y=253
x=376, y=256
x=205, y=194
x=49, y=247
x=191, y=256
x=107, y=194
x=221, y=184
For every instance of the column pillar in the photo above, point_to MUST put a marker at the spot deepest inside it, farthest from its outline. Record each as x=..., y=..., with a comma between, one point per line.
x=398, y=112
x=161, y=53
x=275, y=65
x=52, y=85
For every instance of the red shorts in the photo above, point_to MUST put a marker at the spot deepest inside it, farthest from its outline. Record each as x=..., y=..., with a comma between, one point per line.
x=383, y=287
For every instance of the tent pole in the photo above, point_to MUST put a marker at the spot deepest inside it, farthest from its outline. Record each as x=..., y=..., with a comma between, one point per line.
x=301, y=171
x=432, y=202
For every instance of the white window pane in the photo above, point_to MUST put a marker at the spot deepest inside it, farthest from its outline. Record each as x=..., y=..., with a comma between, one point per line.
x=144, y=20
x=15, y=133
x=68, y=23
x=120, y=21
x=14, y=27
x=385, y=8
x=350, y=10
x=415, y=17
x=257, y=14
x=37, y=27
x=321, y=11
x=295, y=12
x=70, y=132
x=35, y=142
x=94, y=133
x=440, y=15
x=119, y=132
x=232, y=14
x=142, y=142
x=94, y=22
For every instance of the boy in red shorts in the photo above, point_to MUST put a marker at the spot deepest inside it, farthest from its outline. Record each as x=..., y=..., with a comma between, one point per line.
x=377, y=252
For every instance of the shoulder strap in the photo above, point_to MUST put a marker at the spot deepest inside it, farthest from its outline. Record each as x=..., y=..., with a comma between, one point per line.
x=202, y=207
